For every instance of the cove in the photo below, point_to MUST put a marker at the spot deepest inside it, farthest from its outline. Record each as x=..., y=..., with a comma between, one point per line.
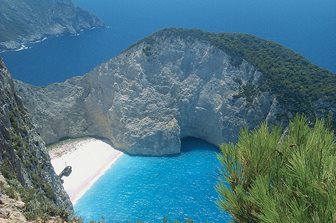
x=151, y=188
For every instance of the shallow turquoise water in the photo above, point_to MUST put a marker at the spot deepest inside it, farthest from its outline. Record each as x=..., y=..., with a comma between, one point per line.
x=150, y=188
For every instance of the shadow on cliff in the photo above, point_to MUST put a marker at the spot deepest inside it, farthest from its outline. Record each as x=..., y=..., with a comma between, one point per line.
x=190, y=144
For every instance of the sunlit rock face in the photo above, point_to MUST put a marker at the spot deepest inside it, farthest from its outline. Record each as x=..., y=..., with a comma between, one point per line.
x=23, y=155
x=163, y=88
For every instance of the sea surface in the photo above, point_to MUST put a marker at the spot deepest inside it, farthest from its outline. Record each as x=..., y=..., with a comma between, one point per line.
x=151, y=188
x=306, y=26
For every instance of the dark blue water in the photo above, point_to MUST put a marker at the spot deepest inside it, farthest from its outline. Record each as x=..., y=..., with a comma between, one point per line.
x=150, y=188
x=306, y=26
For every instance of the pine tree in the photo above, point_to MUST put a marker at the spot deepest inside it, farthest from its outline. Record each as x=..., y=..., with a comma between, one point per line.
x=270, y=176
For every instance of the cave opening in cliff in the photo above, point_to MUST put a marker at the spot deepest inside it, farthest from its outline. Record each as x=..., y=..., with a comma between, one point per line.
x=190, y=143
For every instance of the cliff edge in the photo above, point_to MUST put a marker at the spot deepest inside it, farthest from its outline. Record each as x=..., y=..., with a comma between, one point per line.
x=26, y=174
x=179, y=83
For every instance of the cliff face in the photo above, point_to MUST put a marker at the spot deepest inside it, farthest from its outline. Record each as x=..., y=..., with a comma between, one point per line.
x=168, y=86
x=24, y=161
x=23, y=21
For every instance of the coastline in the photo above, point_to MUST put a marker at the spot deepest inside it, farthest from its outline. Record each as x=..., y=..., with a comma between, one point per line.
x=28, y=44
x=89, y=158
x=23, y=45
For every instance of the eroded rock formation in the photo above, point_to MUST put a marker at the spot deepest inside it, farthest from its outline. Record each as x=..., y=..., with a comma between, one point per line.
x=24, y=161
x=173, y=84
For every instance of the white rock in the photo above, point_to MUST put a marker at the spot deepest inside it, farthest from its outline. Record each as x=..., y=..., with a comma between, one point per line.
x=153, y=94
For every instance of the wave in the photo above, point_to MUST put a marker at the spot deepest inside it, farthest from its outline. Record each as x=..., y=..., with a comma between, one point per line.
x=22, y=47
x=38, y=41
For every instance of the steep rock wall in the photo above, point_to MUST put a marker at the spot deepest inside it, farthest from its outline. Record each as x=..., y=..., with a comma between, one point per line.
x=24, y=161
x=150, y=96
x=171, y=85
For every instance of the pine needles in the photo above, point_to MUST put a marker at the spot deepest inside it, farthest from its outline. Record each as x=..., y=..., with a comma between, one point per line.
x=271, y=177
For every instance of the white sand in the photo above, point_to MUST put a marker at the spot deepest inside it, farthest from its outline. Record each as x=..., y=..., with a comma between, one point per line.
x=89, y=159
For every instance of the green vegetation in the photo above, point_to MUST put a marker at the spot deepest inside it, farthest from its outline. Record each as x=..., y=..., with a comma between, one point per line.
x=9, y=191
x=247, y=91
x=281, y=177
x=21, y=160
x=147, y=51
x=37, y=199
x=7, y=171
x=294, y=80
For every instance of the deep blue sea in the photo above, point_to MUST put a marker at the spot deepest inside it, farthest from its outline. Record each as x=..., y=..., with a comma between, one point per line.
x=151, y=188
x=306, y=26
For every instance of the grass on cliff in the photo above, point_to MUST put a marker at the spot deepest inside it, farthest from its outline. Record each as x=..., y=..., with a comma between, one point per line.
x=38, y=196
x=281, y=178
x=38, y=203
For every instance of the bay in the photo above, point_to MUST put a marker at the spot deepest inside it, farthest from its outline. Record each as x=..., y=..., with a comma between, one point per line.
x=148, y=189
x=306, y=26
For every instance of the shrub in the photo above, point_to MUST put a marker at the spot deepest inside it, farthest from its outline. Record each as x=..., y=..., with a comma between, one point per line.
x=7, y=171
x=9, y=191
x=274, y=177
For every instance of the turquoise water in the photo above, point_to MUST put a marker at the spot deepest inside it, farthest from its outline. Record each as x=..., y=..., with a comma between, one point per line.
x=306, y=26
x=150, y=188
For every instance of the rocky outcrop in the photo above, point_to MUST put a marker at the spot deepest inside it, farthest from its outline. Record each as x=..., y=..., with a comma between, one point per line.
x=24, y=161
x=11, y=210
x=171, y=85
x=25, y=21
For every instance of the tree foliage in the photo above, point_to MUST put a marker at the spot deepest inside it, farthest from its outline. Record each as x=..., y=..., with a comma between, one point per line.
x=297, y=83
x=289, y=177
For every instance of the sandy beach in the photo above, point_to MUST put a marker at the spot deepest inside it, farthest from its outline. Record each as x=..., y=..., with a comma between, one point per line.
x=89, y=159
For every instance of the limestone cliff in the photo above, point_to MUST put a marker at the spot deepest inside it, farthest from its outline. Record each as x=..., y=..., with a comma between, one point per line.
x=24, y=162
x=173, y=84
x=24, y=21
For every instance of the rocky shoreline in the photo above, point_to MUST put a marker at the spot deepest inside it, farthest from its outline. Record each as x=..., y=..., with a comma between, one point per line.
x=28, y=43
x=27, y=22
